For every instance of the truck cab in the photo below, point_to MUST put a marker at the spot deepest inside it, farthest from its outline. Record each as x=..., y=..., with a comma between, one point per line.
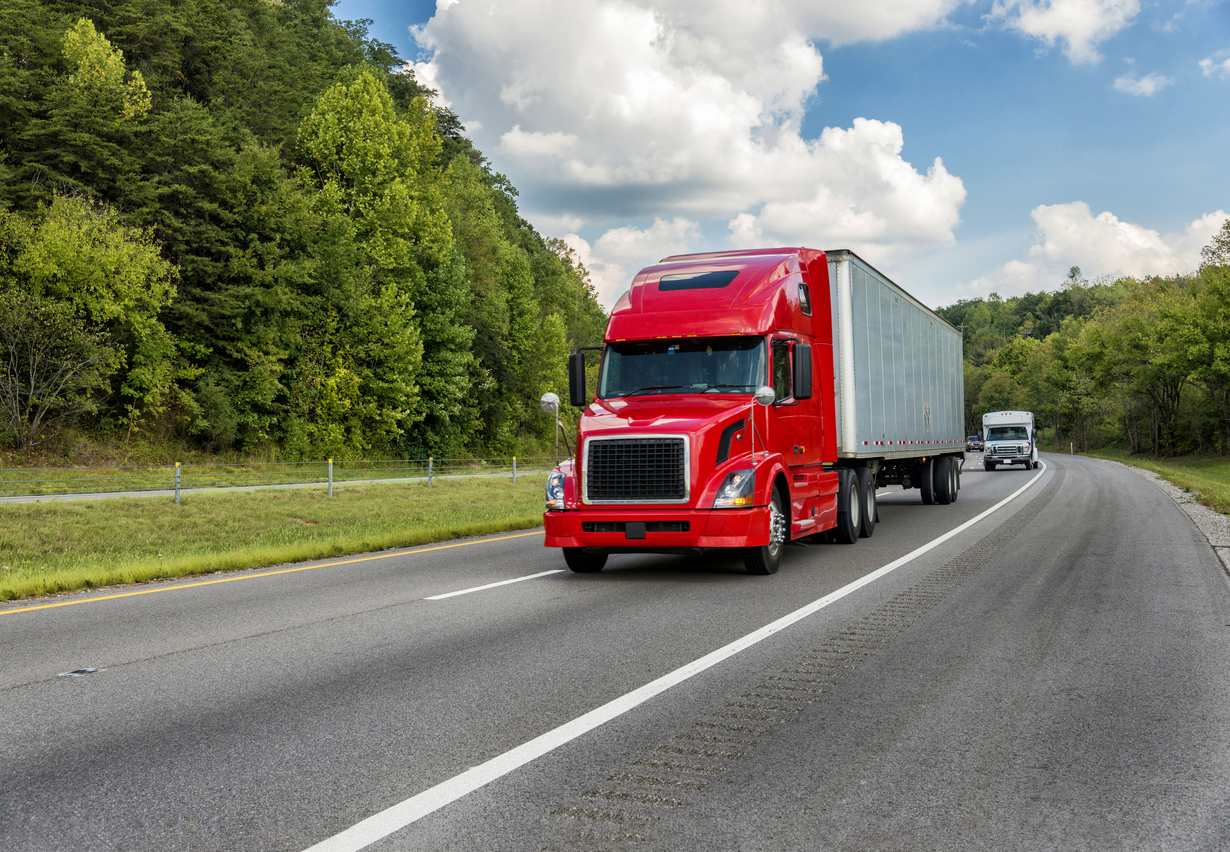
x=673, y=450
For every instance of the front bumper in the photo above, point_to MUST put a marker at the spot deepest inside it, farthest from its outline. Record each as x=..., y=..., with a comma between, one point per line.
x=715, y=528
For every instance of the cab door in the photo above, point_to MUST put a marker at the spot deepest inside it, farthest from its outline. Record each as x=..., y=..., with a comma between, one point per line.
x=794, y=431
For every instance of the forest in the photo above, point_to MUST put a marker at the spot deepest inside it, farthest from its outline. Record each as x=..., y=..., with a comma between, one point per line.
x=242, y=227
x=1136, y=365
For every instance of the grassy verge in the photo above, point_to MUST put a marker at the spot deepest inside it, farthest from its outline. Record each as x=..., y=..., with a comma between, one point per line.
x=1208, y=477
x=62, y=546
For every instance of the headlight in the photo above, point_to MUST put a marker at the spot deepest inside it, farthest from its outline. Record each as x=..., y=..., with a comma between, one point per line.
x=555, y=490
x=737, y=491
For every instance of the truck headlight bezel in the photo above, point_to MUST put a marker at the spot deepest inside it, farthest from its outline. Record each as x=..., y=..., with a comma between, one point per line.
x=555, y=490
x=737, y=491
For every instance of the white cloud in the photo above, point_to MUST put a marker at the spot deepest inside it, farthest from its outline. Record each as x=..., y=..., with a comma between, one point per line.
x=619, y=253
x=1221, y=69
x=1146, y=86
x=864, y=197
x=1070, y=235
x=1081, y=24
x=610, y=110
x=1014, y=278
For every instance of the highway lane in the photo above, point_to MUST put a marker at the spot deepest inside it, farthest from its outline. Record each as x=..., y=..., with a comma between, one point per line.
x=1053, y=677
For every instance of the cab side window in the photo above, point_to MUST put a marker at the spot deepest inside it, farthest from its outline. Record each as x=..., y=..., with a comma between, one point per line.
x=782, y=384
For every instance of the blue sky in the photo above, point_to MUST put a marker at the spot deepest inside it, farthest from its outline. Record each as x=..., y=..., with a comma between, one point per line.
x=963, y=146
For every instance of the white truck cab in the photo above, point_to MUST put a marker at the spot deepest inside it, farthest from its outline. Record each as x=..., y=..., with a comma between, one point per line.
x=1008, y=437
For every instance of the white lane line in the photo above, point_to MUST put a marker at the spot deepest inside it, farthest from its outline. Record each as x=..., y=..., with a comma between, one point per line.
x=493, y=585
x=397, y=817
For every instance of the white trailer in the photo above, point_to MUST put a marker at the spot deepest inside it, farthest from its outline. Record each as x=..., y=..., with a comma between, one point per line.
x=1009, y=437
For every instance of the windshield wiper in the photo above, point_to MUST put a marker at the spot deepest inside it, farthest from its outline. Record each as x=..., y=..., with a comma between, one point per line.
x=716, y=387
x=651, y=388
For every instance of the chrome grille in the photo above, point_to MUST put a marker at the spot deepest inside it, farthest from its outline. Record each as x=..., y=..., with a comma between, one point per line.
x=1007, y=450
x=648, y=469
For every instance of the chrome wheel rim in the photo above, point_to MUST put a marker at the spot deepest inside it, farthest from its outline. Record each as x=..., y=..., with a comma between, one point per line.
x=777, y=529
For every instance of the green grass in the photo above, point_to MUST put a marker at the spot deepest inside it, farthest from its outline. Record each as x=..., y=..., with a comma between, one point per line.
x=1208, y=477
x=59, y=546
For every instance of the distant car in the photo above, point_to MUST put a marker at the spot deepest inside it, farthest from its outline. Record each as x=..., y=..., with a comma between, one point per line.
x=973, y=444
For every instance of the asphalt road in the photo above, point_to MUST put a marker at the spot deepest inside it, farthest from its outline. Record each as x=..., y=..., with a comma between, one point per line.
x=1054, y=676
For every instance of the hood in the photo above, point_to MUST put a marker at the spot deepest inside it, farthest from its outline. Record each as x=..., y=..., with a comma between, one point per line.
x=688, y=414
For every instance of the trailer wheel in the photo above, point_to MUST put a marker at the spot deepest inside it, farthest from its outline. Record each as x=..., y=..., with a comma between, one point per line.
x=927, y=479
x=767, y=558
x=584, y=563
x=867, y=491
x=945, y=481
x=849, y=522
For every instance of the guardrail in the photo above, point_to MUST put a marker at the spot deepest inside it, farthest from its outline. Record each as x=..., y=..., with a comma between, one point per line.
x=47, y=481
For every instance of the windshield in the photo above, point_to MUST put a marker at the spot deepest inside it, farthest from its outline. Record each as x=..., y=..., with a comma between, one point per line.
x=685, y=365
x=1007, y=433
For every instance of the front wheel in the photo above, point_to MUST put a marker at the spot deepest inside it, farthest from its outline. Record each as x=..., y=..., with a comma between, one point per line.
x=988, y=465
x=767, y=558
x=584, y=563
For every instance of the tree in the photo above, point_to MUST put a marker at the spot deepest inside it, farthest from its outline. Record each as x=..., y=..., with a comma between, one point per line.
x=375, y=169
x=108, y=275
x=98, y=71
x=51, y=369
x=1217, y=252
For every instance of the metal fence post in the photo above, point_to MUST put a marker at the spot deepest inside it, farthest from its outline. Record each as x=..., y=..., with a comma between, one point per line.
x=177, y=483
x=514, y=470
x=330, y=477
x=430, y=460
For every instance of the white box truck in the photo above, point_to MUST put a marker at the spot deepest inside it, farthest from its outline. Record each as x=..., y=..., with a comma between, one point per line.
x=1009, y=437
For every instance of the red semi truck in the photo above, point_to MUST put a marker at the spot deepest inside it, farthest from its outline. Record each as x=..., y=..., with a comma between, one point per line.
x=747, y=399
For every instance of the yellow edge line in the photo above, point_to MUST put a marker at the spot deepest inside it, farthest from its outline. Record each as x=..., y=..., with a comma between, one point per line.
x=266, y=574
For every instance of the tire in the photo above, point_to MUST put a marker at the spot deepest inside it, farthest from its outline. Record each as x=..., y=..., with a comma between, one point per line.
x=867, y=494
x=988, y=465
x=926, y=482
x=767, y=558
x=944, y=492
x=849, y=522
x=584, y=563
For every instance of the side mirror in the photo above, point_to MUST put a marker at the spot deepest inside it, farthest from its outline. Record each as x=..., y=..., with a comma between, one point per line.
x=765, y=395
x=802, y=371
x=549, y=402
x=576, y=380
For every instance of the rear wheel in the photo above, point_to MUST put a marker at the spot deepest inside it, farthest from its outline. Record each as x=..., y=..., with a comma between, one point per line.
x=945, y=481
x=584, y=563
x=849, y=520
x=927, y=481
x=867, y=491
x=766, y=559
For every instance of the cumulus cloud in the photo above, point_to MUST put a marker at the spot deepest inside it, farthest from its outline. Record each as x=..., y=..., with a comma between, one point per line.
x=609, y=110
x=1080, y=24
x=864, y=197
x=1070, y=235
x=620, y=252
x=1145, y=86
